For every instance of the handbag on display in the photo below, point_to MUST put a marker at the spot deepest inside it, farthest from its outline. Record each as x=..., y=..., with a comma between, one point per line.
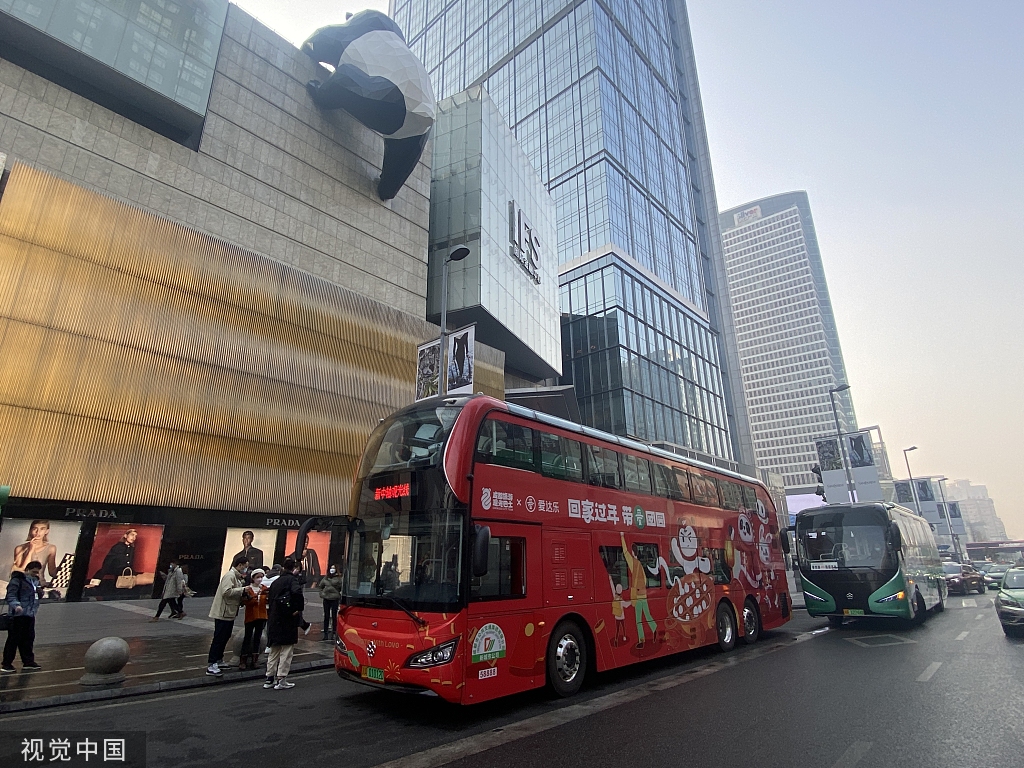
x=126, y=580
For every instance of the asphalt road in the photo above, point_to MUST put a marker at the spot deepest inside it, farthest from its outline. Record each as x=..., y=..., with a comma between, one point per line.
x=948, y=693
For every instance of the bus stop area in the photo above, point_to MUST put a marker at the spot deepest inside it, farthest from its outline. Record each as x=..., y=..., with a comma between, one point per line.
x=166, y=655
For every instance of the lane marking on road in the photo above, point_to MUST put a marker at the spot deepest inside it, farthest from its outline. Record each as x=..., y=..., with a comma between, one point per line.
x=853, y=754
x=879, y=641
x=962, y=635
x=135, y=701
x=970, y=602
x=979, y=617
x=481, y=742
x=925, y=676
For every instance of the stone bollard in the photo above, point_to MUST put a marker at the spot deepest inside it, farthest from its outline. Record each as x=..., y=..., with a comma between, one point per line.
x=104, y=661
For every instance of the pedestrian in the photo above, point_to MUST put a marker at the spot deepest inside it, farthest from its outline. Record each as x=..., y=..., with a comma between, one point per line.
x=284, y=612
x=186, y=592
x=174, y=588
x=254, y=596
x=330, y=593
x=22, y=605
x=223, y=612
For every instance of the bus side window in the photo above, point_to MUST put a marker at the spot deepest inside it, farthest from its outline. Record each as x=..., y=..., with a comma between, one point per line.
x=560, y=457
x=683, y=484
x=732, y=494
x=603, y=467
x=637, y=473
x=665, y=484
x=615, y=563
x=648, y=555
x=506, y=571
x=509, y=445
x=749, y=497
x=705, y=490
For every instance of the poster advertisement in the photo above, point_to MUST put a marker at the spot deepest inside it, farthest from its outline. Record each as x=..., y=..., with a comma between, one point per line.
x=315, y=556
x=256, y=544
x=833, y=475
x=862, y=466
x=904, y=494
x=929, y=507
x=123, y=561
x=956, y=518
x=51, y=542
x=428, y=364
x=461, y=360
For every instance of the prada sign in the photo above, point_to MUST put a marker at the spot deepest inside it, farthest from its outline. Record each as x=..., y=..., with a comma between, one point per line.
x=524, y=241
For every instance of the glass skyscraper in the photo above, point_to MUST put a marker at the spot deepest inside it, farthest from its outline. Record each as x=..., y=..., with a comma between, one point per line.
x=602, y=96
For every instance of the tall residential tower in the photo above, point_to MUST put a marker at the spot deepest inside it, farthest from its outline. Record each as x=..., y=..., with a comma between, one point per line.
x=603, y=98
x=786, y=332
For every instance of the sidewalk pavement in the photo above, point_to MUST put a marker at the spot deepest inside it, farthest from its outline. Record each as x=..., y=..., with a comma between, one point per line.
x=165, y=655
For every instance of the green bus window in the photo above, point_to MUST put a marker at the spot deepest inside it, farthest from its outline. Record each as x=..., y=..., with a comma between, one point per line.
x=560, y=457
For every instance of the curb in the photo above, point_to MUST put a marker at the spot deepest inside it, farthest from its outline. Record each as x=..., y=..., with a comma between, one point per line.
x=149, y=688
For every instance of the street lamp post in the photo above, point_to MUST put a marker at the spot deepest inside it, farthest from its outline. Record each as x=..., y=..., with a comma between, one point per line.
x=457, y=254
x=949, y=522
x=913, y=489
x=839, y=431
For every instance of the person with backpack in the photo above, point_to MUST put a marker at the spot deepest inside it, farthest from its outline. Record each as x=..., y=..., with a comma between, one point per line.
x=223, y=612
x=22, y=605
x=284, y=612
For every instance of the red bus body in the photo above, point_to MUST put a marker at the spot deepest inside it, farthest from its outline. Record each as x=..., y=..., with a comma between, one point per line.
x=570, y=531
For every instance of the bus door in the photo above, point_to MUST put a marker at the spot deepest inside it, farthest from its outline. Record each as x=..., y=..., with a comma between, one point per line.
x=501, y=651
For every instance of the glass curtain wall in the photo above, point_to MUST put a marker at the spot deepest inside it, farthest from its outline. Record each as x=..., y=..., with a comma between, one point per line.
x=595, y=93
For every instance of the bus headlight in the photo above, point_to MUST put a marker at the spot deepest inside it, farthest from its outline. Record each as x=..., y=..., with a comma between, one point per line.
x=815, y=597
x=898, y=596
x=439, y=654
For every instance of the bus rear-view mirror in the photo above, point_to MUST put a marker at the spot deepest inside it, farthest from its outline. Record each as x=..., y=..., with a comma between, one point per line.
x=895, y=537
x=481, y=549
x=784, y=541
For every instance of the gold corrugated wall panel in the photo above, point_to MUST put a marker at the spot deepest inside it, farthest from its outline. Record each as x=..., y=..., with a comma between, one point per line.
x=146, y=362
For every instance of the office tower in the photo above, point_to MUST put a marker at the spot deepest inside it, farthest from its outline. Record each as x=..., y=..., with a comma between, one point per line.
x=978, y=510
x=786, y=333
x=603, y=98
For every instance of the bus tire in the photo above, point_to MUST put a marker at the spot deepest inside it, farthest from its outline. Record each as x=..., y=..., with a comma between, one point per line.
x=751, y=622
x=941, y=605
x=920, y=610
x=725, y=622
x=567, y=659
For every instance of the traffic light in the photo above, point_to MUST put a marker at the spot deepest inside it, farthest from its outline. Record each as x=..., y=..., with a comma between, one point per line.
x=820, y=490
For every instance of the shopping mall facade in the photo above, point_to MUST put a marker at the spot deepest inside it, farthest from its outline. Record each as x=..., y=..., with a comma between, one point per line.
x=205, y=305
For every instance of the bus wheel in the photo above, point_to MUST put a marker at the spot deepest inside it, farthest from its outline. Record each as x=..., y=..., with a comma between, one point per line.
x=567, y=659
x=726, y=623
x=941, y=605
x=751, y=623
x=920, y=611
x=835, y=621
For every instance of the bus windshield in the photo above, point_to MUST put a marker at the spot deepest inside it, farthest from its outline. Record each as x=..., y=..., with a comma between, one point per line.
x=851, y=538
x=413, y=439
x=414, y=558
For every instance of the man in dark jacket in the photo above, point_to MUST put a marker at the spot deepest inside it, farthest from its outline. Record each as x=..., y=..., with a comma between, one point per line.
x=22, y=604
x=284, y=612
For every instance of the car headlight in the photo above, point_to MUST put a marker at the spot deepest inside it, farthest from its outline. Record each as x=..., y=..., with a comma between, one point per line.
x=815, y=597
x=1006, y=600
x=898, y=596
x=432, y=657
x=954, y=578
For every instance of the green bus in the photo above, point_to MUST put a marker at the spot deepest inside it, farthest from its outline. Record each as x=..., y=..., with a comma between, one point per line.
x=868, y=559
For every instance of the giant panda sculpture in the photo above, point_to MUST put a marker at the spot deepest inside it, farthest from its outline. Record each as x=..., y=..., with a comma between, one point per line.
x=381, y=83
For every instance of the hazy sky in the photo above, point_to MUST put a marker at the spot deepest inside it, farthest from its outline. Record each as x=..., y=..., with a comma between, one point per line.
x=904, y=123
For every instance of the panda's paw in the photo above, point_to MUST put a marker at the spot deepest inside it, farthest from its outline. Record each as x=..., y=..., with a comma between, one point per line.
x=313, y=86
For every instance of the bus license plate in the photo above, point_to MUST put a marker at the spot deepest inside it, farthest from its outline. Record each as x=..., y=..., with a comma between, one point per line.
x=852, y=612
x=372, y=673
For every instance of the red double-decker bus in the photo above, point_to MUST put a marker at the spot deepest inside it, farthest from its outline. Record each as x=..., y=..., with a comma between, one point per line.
x=494, y=549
